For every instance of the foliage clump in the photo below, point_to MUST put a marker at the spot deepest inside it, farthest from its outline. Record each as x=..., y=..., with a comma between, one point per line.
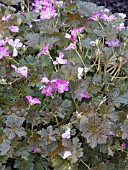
x=63, y=86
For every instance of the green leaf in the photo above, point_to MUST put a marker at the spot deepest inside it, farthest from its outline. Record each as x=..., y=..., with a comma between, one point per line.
x=4, y=147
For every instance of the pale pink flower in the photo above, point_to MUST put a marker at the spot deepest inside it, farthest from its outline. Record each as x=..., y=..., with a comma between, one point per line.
x=66, y=154
x=44, y=51
x=21, y=70
x=60, y=60
x=107, y=18
x=127, y=116
x=122, y=15
x=3, y=52
x=15, y=44
x=71, y=46
x=121, y=26
x=14, y=28
x=45, y=80
x=111, y=133
x=37, y=5
x=106, y=10
x=66, y=135
x=114, y=43
x=6, y=18
x=33, y=101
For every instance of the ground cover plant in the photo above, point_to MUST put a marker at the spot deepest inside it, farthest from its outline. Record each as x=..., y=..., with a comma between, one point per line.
x=63, y=86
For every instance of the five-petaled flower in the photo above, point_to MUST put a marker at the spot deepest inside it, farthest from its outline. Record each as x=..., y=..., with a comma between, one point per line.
x=62, y=85
x=15, y=44
x=33, y=101
x=21, y=70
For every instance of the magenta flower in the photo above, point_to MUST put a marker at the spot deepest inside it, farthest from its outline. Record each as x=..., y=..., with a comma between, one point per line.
x=45, y=50
x=66, y=135
x=121, y=26
x=62, y=85
x=71, y=46
x=21, y=70
x=34, y=151
x=114, y=43
x=48, y=90
x=6, y=18
x=107, y=18
x=66, y=154
x=123, y=145
x=48, y=12
x=37, y=6
x=95, y=16
x=15, y=44
x=33, y=101
x=60, y=60
x=14, y=28
x=4, y=52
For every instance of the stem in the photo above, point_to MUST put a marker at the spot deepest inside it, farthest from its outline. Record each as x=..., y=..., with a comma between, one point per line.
x=85, y=164
x=100, y=24
x=80, y=58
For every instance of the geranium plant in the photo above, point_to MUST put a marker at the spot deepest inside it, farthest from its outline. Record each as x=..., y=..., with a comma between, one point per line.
x=63, y=86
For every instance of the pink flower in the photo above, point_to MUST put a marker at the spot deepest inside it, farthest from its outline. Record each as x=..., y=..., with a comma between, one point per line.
x=3, y=52
x=121, y=26
x=66, y=154
x=48, y=12
x=114, y=43
x=111, y=133
x=71, y=46
x=62, y=85
x=37, y=6
x=106, y=18
x=106, y=10
x=84, y=95
x=21, y=70
x=66, y=135
x=45, y=50
x=33, y=101
x=35, y=150
x=127, y=116
x=45, y=80
x=95, y=16
x=6, y=18
x=123, y=145
x=15, y=44
x=74, y=33
x=14, y=28
x=60, y=60
x=48, y=90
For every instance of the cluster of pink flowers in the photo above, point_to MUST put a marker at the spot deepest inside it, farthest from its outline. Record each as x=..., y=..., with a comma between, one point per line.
x=74, y=33
x=113, y=43
x=107, y=18
x=50, y=86
x=46, y=8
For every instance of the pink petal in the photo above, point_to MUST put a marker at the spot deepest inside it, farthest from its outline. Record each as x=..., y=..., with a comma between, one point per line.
x=66, y=135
